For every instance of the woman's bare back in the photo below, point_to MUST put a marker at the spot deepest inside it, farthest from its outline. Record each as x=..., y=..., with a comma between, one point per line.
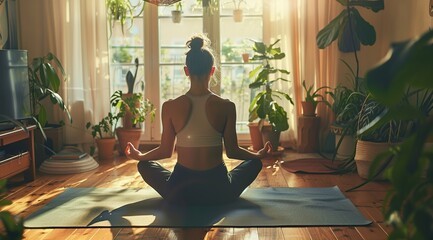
x=198, y=158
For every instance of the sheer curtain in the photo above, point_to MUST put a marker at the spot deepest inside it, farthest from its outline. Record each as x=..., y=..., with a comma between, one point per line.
x=279, y=27
x=296, y=23
x=77, y=34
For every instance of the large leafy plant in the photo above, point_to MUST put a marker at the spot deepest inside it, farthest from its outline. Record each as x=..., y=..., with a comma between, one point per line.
x=45, y=76
x=264, y=105
x=13, y=228
x=409, y=202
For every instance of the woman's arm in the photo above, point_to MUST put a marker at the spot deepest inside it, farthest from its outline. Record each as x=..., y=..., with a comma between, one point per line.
x=231, y=141
x=165, y=149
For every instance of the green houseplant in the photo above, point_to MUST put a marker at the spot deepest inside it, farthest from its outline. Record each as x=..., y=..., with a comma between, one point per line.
x=347, y=102
x=46, y=74
x=350, y=29
x=176, y=14
x=372, y=143
x=134, y=110
x=122, y=11
x=408, y=206
x=104, y=135
x=237, y=10
x=264, y=105
x=45, y=80
x=311, y=99
x=13, y=228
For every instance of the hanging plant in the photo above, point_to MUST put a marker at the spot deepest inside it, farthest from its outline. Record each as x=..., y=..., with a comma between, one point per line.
x=122, y=11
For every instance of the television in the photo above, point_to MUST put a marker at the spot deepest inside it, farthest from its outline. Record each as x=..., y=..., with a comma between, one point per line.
x=14, y=87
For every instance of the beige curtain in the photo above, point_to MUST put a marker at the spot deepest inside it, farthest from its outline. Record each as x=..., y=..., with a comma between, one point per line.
x=296, y=23
x=317, y=67
x=279, y=27
x=77, y=34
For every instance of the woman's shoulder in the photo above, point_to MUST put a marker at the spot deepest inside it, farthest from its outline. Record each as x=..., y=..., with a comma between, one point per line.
x=218, y=99
x=222, y=104
x=178, y=100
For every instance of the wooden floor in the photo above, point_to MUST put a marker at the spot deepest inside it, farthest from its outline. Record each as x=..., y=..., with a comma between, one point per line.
x=28, y=197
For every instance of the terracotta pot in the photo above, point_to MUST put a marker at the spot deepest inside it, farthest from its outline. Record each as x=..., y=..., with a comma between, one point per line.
x=271, y=136
x=245, y=57
x=125, y=135
x=308, y=109
x=256, y=136
x=238, y=15
x=105, y=148
x=365, y=153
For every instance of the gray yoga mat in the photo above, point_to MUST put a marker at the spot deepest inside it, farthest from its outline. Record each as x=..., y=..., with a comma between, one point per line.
x=257, y=207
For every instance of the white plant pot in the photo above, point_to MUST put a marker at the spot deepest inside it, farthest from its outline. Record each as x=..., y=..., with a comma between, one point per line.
x=365, y=153
x=176, y=16
x=347, y=146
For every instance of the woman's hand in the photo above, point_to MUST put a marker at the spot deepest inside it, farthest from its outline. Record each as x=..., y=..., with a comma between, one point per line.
x=132, y=152
x=265, y=151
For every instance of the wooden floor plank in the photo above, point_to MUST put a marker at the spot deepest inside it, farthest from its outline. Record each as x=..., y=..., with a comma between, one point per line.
x=346, y=233
x=296, y=234
x=321, y=233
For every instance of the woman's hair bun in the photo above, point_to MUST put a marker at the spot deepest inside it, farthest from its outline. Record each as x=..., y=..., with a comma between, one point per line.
x=196, y=43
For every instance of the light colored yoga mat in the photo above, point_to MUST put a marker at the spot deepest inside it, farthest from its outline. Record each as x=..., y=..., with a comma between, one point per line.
x=257, y=207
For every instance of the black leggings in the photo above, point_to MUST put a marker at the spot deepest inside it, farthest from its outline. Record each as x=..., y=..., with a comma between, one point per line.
x=184, y=186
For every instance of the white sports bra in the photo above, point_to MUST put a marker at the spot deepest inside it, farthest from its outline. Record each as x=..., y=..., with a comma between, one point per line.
x=198, y=132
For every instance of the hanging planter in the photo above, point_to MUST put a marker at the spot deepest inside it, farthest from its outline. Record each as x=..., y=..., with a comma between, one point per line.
x=238, y=15
x=176, y=15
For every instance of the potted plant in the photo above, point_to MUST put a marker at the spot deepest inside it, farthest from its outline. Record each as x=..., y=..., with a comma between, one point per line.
x=272, y=116
x=104, y=135
x=345, y=106
x=408, y=206
x=45, y=76
x=121, y=11
x=133, y=109
x=311, y=99
x=351, y=29
x=309, y=123
x=176, y=14
x=12, y=226
x=237, y=11
x=372, y=143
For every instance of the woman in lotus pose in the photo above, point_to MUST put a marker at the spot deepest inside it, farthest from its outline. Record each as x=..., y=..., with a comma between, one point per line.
x=200, y=121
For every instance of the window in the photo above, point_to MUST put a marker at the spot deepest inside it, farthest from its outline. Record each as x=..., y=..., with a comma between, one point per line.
x=159, y=44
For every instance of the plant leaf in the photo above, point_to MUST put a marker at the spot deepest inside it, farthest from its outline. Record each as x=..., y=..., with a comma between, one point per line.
x=331, y=31
x=408, y=62
x=364, y=30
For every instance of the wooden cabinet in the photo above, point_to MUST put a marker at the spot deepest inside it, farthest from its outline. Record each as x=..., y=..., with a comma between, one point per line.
x=17, y=148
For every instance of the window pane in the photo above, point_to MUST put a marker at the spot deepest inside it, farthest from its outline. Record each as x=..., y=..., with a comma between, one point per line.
x=236, y=41
x=172, y=39
x=124, y=48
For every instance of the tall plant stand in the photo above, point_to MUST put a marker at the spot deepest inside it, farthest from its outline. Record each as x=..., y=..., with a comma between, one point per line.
x=308, y=134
